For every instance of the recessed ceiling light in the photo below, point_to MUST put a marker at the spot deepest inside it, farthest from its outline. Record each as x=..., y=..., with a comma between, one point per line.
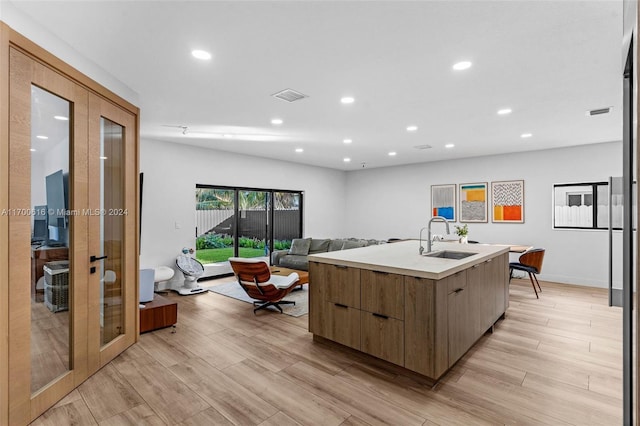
x=346, y=159
x=32, y=150
x=299, y=150
x=412, y=128
x=347, y=100
x=61, y=117
x=504, y=111
x=201, y=54
x=392, y=154
x=463, y=65
x=276, y=121
x=449, y=145
x=42, y=137
x=526, y=135
x=347, y=141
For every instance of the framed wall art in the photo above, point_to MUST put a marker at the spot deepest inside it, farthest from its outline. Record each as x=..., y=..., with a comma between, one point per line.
x=508, y=201
x=474, y=202
x=443, y=201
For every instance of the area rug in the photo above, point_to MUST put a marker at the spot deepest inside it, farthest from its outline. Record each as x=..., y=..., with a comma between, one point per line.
x=233, y=290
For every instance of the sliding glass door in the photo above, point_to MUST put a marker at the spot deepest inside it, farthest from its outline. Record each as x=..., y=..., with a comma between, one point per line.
x=244, y=222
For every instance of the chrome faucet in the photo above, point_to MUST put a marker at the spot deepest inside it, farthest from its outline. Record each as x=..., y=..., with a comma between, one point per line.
x=428, y=228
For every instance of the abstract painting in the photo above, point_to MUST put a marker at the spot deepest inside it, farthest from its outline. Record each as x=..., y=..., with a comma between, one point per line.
x=443, y=201
x=473, y=202
x=508, y=201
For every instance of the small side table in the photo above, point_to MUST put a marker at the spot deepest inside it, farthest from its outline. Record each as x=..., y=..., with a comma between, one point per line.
x=159, y=313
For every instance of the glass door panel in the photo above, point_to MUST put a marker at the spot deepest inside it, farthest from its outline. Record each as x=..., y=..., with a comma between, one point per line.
x=112, y=211
x=215, y=227
x=287, y=219
x=50, y=281
x=253, y=224
x=112, y=231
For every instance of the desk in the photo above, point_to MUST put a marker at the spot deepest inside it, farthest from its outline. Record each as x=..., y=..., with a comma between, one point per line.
x=40, y=256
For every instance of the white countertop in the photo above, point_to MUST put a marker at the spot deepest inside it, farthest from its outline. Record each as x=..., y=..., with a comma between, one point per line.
x=404, y=258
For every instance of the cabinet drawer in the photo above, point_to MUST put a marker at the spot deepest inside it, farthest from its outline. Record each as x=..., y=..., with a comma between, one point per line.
x=456, y=282
x=382, y=293
x=383, y=337
x=343, y=285
x=342, y=324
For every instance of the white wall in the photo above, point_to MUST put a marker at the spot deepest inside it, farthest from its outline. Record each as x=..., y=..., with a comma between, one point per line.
x=395, y=203
x=25, y=25
x=171, y=172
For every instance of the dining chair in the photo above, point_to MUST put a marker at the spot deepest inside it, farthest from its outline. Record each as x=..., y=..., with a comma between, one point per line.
x=531, y=263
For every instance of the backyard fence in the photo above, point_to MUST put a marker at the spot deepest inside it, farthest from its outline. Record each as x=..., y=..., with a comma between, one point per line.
x=252, y=224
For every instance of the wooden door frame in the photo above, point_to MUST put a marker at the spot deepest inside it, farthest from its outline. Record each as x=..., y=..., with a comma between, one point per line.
x=9, y=38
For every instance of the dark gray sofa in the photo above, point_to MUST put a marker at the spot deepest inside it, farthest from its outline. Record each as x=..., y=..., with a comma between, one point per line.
x=296, y=256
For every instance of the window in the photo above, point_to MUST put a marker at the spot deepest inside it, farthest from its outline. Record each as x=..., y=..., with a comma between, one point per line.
x=244, y=222
x=586, y=205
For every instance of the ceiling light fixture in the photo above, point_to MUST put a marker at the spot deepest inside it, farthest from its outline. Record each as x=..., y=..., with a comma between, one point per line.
x=504, y=111
x=526, y=135
x=347, y=100
x=61, y=117
x=201, y=54
x=347, y=141
x=412, y=128
x=392, y=154
x=299, y=150
x=346, y=159
x=449, y=145
x=463, y=65
x=276, y=121
x=42, y=137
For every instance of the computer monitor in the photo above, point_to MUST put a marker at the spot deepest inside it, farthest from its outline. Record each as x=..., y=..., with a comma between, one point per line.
x=40, y=225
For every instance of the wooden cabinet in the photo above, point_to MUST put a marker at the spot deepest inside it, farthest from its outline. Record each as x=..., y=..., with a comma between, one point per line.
x=460, y=317
x=159, y=313
x=382, y=318
x=382, y=336
x=382, y=293
x=422, y=324
x=342, y=324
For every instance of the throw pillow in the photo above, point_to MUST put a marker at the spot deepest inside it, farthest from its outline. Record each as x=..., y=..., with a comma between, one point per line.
x=352, y=244
x=300, y=246
x=318, y=246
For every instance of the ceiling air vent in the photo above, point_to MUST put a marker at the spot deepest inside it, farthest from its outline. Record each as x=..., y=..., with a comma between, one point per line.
x=289, y=95
x=600, y=111
x=425, y=146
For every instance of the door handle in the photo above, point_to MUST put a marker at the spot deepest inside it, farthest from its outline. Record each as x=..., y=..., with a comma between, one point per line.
x=95, y=258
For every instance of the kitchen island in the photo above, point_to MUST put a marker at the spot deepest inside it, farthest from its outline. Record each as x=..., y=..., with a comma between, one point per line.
x=417, y=311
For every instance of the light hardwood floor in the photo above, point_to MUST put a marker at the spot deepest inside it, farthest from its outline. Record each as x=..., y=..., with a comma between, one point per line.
x=552, y=361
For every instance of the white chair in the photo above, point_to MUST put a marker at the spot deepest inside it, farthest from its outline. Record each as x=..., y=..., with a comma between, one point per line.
x=192, y=270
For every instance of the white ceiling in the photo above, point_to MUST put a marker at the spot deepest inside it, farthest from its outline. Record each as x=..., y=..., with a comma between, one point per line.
x=549, y=61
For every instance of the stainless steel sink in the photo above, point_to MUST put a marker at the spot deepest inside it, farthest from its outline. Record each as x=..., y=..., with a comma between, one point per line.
x=449, y=254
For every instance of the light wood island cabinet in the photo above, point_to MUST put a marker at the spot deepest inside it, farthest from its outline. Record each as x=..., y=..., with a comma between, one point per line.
x=418, y=312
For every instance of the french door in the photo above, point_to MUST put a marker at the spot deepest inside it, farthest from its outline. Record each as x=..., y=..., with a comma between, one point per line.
x=72, y=232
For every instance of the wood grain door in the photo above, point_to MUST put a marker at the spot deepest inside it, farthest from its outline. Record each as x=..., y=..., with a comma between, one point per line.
x=56, y=131
x=112, y=159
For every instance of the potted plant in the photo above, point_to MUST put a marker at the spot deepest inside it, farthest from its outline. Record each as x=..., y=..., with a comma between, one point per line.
x=462, y=232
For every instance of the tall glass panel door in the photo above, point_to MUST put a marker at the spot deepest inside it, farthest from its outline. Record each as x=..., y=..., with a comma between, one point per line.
x=112, y=231
x=253, y=224
x=112, y=212
x=72, y=226
x=50, y=283
x=215, y=227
